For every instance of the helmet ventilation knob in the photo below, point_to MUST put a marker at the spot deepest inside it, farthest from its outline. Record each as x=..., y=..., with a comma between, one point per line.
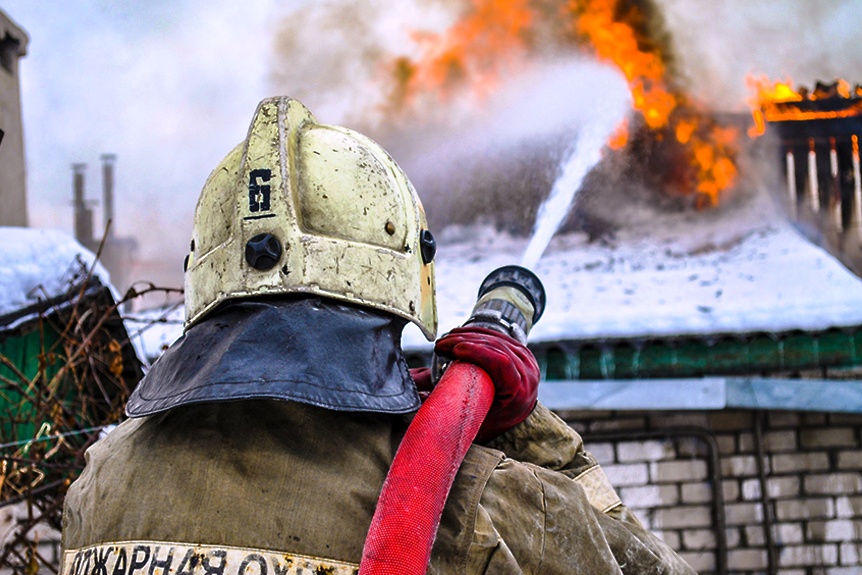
x=263, y=251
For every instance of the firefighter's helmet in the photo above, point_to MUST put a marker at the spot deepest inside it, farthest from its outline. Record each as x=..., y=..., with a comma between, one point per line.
x=307, y=208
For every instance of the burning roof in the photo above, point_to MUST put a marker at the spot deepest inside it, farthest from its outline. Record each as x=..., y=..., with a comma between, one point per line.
x=779, y=102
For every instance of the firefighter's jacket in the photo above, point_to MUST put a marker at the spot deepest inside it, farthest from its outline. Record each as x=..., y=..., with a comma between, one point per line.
x=262, y=487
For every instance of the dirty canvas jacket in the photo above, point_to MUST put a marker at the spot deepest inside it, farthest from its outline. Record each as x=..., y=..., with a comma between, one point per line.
x=264, y=487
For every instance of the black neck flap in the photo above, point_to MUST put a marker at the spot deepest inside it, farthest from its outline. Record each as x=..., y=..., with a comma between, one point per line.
x=310, y=350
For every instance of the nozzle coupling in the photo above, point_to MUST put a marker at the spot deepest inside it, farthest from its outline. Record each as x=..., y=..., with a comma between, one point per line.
x=511, y=300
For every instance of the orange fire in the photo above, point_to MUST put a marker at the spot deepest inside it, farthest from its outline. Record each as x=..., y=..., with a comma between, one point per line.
x=616, y=41
x=497, y=35
x=779, y=102
x=472, y=52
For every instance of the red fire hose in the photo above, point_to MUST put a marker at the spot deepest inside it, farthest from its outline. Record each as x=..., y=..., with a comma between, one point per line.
x=411, y=502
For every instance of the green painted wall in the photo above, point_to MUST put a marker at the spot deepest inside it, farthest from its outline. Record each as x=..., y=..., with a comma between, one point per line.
x=747, y=354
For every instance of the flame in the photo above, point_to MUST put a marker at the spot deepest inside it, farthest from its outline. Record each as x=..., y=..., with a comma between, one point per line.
x=778, y=102
x=768, y=94
x=616, y=42
x=614, y=38
x=494, y=36
x=684, y=131
x=473, y=51
x=714, y=162
x=620, y=138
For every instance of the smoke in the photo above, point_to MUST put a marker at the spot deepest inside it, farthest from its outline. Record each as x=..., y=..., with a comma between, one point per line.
x=719, y=44
x=472, y=154
x=499, y=161
x=334, y=56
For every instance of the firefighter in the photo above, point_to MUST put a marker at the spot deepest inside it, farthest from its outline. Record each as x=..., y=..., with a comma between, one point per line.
x=259, y=442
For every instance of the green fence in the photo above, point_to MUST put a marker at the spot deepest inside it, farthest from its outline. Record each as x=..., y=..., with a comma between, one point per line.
x=34, y=362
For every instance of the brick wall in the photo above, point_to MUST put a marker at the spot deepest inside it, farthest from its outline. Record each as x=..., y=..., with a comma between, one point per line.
x=685, y=474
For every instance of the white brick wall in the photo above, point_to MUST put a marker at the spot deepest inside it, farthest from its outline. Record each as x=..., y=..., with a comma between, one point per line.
x=651, y=495
x=627, y=474
x=677, y=471
x=800, y=462
x=629, y=451
x=833, y=483
x=802, y=555
x=805, y=508
x=836, y=530
x=813, y=478
x=747, y=559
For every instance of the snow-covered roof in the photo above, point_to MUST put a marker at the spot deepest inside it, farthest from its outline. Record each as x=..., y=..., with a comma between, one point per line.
x=40, y=264
x=734, y=270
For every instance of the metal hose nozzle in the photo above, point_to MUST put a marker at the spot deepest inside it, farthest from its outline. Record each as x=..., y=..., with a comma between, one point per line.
x=511, y=300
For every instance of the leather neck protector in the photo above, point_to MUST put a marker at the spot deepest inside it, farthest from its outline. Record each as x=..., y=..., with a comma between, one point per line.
x=310, y=350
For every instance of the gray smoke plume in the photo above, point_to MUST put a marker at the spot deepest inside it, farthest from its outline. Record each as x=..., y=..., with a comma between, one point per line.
x=491, y=156
x=719, y=44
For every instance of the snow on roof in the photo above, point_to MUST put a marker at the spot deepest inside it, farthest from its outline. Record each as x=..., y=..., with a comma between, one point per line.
x=38, y=264
x=732, y=270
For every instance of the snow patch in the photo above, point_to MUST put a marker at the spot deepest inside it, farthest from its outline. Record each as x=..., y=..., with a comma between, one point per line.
x=38, y=264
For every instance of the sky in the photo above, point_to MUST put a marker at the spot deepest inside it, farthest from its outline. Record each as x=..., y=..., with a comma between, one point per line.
x=167, y=86
x=170, y=85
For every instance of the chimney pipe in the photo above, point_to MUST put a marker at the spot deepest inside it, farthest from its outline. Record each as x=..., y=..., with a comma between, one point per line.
x=83, y=214
x=108, y=191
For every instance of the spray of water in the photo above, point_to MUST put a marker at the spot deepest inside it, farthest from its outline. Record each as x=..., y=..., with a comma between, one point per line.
x=585, y=153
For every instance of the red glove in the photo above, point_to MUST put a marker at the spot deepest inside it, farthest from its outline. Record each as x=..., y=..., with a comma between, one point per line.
x=422, y=377
x=511, y=366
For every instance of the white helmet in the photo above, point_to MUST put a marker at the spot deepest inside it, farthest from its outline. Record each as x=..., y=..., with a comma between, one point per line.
x=302, y=207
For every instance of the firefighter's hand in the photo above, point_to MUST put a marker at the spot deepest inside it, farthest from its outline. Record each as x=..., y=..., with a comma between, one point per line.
x=511, y=366
x=422, y=377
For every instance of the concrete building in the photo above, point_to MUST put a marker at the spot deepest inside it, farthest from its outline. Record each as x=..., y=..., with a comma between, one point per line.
x=13, y=190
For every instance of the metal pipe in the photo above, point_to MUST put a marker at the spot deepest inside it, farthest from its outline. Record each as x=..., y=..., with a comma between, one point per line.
x=83, y=213
x=78, y=184
x=715, y=471
x=108, y=190
x=768, y=521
